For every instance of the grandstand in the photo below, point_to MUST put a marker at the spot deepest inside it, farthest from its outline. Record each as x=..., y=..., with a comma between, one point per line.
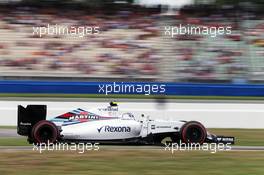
x=119, y=50
x=130, y=46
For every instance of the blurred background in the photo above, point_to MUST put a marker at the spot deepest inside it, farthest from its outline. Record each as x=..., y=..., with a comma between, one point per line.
x=131, y=45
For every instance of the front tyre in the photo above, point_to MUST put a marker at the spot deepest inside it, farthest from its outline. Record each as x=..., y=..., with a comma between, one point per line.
x=44, y=132
x=193, y=132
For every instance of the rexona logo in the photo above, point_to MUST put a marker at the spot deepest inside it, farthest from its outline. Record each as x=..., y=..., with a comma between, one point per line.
x=108, y=128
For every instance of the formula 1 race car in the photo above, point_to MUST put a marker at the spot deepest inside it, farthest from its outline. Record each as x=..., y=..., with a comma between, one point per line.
x=108, y=125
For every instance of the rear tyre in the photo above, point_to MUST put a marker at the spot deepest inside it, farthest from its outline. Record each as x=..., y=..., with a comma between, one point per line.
x=44, y=132
x=193, y=132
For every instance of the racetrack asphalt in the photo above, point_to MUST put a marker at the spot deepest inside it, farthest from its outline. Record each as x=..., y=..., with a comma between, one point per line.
x=8, y=133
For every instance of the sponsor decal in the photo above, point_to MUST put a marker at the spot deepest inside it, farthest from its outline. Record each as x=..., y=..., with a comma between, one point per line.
x=25, y=124
x=76, y=117
x=163, y=126
x=99, y=129
x=109, y=108
x=108, y=128
x=225, y=139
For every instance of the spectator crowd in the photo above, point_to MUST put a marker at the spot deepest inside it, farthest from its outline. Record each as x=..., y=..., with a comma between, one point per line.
x=130, y=45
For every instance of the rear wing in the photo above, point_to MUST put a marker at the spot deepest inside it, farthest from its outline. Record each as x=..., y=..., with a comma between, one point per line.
x=28, y=116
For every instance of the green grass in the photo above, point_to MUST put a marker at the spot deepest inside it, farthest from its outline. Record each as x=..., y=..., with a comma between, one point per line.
x=11, y=141
x=244, y=137
x=128, y=96
x=8, y=127
x=131, y=162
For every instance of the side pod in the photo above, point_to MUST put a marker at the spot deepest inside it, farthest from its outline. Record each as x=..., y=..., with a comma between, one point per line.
x=28, y=117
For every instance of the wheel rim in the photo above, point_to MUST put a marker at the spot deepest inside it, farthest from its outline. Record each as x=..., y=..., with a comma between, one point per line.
x=194, y=134
x=45, y=134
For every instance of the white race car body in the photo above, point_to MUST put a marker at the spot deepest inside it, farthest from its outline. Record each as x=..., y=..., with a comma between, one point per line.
x=108, y=125
x=102, y=130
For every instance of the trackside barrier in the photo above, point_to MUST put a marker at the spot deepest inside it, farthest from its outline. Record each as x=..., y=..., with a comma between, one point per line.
x=183, y=89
